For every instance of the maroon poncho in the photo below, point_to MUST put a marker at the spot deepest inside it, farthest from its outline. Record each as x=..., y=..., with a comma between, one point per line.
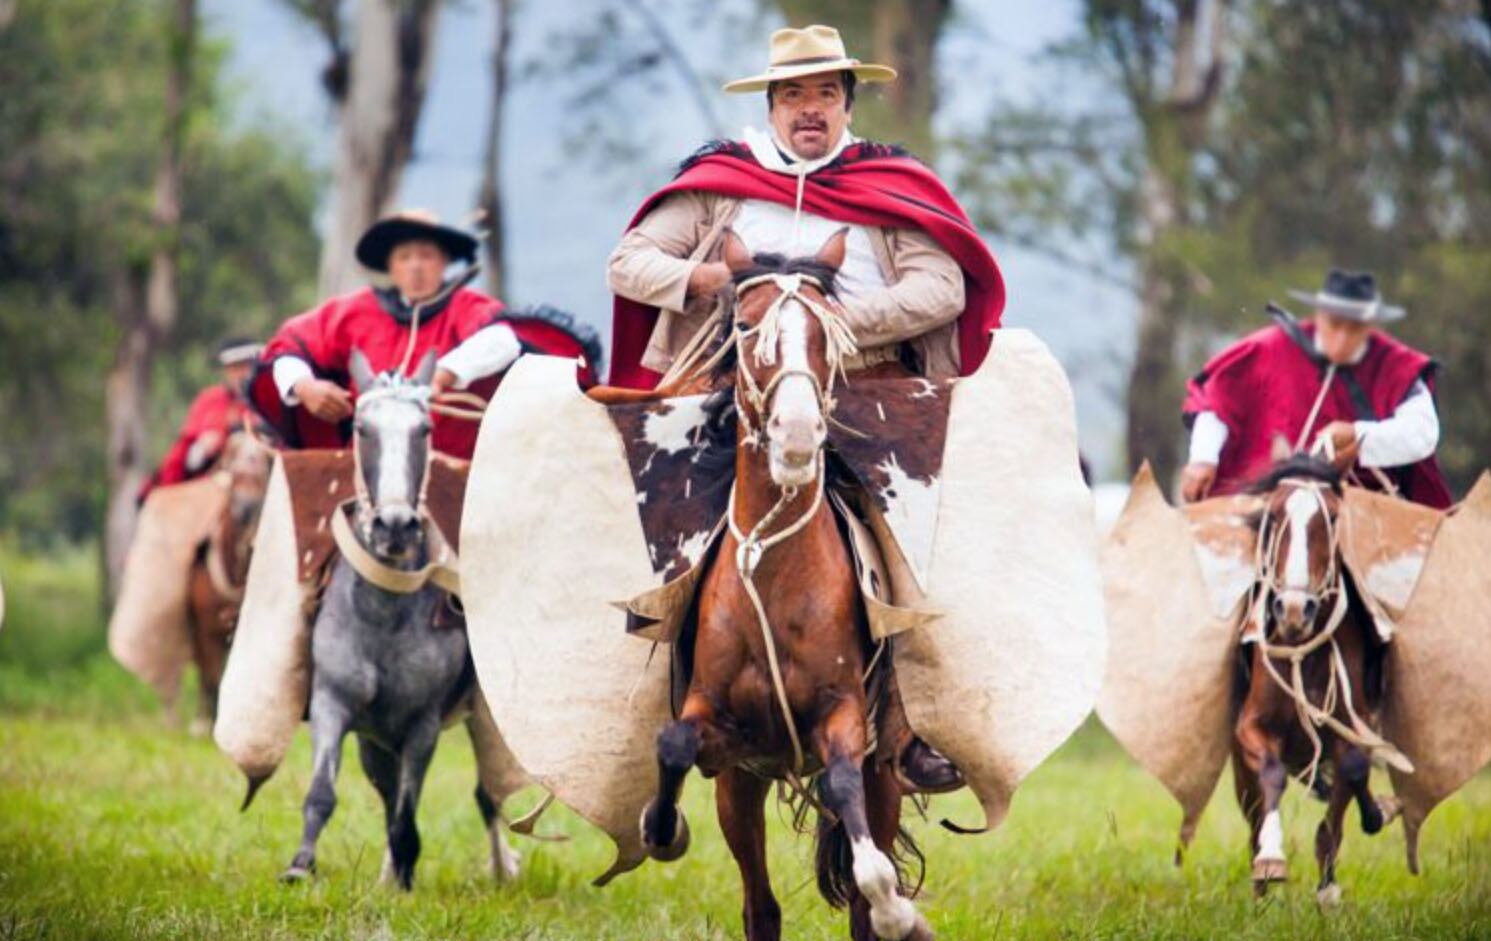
x=1265, y=384
x=325, y=337
x=216, y=408
x=868, y=185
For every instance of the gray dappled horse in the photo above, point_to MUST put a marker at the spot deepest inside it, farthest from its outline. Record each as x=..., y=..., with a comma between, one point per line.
x=381, y=667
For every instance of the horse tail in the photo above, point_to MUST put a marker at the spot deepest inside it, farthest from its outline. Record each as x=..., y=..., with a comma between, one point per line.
x=834, y=862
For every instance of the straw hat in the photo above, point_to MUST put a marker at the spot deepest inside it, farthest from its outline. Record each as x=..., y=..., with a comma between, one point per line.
x=810, y=51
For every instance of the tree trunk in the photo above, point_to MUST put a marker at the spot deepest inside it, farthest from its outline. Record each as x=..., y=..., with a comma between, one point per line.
x=1174, y=128
x=489, y=200
x=146, y=312
x=385, y=92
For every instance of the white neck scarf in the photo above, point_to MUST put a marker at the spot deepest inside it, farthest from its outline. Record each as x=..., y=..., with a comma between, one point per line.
x=768, y=151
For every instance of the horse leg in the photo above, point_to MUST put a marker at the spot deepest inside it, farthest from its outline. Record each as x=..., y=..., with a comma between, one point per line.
x=1249, y=796
x=740, y=800
x=382, y=769
x=329, y=722
x=199, y=620
x=883, y=806
x=498, y=776
x=841, y=746
x=1350, y=763
x=414, y=760
x=665, y=830
x=1261, y=751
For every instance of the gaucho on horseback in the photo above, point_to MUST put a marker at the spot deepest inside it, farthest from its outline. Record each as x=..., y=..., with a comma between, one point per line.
x=917, y=288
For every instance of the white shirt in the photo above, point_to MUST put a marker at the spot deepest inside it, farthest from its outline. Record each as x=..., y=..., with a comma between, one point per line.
x=1408, y=436
x=766, y=226
x=486, y=352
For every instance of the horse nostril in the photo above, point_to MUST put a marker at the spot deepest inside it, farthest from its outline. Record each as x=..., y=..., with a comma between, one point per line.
x=1311, y=607
x=1278, y=608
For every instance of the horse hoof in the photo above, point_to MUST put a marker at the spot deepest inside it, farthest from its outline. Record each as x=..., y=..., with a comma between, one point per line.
x=1391, y=808
x=1329, y=898
x=674, y=850
x=897, y=920
x=1268, y=870
x=506, y=863
x=921, y=931
x=297, y=874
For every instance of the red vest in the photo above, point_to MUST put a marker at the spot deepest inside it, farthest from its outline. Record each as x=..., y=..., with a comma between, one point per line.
x=868, y=185
x=325, y=337
x=216, y=408
x=1265, y=384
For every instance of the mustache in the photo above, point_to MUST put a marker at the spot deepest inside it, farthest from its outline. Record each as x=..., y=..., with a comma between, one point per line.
x=810, y=124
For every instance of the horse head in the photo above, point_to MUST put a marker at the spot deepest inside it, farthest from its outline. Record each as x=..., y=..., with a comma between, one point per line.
x=791, y=342
x=391, y=443
x=1299, y=567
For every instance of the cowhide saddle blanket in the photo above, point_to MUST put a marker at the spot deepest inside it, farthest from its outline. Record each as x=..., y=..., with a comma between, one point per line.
x=886, y=443
x=322, y=480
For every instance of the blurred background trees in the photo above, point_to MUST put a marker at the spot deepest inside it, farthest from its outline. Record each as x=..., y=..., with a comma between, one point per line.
x=132, y=235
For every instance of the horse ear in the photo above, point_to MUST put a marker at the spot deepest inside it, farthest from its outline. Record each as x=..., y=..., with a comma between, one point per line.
x=1281, y=449
x=832, y=252
x=737, y=256
x=362, y=372
x=426, y=369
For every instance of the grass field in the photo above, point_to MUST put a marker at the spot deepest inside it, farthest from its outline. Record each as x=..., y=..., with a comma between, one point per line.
x=115, y=824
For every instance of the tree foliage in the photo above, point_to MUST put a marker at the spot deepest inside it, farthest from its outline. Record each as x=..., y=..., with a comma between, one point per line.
x=80, y=101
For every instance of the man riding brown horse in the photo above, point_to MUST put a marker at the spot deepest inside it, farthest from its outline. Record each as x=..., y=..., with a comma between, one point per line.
x=1338, y=382
x=918, y=289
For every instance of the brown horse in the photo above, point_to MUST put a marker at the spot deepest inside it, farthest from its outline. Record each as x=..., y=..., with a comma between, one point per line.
x=777, y=687
x=215, y=589
x=1311, y=676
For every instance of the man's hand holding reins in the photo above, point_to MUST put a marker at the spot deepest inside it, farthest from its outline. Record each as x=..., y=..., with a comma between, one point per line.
x=1196, y=481
x=324, y=399
x=707, y=278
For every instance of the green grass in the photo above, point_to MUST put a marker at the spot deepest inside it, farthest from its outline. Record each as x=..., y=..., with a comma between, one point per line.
x=114, y=824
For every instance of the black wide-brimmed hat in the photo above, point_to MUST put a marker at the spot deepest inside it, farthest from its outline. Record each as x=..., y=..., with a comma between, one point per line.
x=235, y=350
x=379, y=241
x=1353, y=295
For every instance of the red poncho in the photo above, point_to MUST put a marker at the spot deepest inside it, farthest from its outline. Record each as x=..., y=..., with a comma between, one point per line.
x=869, y=185
x=325, y=337
x=1265, y=384
x=216, y=408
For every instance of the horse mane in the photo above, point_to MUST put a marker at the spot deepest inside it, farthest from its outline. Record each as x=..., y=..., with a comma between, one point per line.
x=1296, y=465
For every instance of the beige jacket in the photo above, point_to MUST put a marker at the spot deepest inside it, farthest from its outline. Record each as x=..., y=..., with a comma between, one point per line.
x=920, y=306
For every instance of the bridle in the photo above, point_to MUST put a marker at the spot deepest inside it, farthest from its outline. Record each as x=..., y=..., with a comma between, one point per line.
x=752, y=546
x=441, y=563
x=838, y=337
x=1338, y=686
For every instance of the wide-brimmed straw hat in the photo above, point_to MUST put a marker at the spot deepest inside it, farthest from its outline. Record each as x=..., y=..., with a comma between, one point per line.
x=810, y=51
x=409, y=225
x=1353, y=295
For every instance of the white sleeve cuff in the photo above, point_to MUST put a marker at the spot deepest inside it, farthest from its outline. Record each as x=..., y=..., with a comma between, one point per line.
x=288, y=370
x=1208, y=436
x=1408, y=436
x=486, y=352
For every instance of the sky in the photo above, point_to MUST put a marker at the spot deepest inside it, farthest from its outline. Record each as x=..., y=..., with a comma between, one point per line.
x=566, y=208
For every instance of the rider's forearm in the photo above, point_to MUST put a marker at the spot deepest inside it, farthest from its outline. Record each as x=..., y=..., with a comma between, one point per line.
x=1407, y=436
x=486, y=352
x=287, y=371
x=927, y=295
x=653, y=262
x=1208, y=436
